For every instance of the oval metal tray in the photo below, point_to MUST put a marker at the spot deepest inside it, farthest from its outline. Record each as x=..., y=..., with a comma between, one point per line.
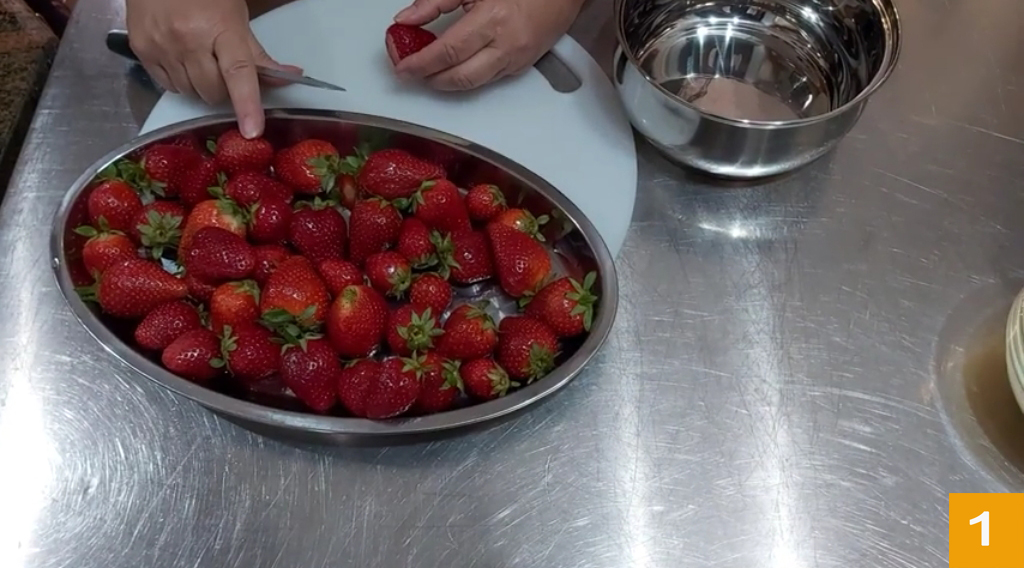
x=577, y=247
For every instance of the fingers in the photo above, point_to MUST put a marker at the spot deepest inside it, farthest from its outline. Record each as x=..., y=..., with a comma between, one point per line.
x=424, y=11
x=261, y=57
x=206, y=79
x=487, y=65
x=235, y=61
x=457, y=44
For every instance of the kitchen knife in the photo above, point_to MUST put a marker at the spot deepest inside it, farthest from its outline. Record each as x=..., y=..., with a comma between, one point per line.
x=117, y=42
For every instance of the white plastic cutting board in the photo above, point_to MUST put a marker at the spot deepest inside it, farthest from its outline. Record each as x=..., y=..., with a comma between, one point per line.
x=580, y=142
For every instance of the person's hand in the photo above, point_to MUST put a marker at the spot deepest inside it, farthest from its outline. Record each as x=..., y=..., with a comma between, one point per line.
x=203, y=48
x=495, y=38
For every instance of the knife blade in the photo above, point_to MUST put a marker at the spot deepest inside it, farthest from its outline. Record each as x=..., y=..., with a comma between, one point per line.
x=117, y=42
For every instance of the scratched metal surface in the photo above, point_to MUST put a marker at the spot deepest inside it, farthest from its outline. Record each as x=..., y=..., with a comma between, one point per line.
x=767, y=399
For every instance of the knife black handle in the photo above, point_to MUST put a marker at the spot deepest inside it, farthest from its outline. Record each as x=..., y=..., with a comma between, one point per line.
x=117, y=42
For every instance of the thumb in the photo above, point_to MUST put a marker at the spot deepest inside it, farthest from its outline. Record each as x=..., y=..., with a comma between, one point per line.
x=261, y=57
x=425, y=11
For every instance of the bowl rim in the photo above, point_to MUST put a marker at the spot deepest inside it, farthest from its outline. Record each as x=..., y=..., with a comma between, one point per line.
x=893, y=47
x=349, y=426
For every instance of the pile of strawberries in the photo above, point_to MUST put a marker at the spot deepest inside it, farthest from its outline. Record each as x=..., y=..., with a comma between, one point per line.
x=242, y=264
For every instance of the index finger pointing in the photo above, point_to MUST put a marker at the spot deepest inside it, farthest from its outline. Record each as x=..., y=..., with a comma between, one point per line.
x=457, y=44
x=235, y=60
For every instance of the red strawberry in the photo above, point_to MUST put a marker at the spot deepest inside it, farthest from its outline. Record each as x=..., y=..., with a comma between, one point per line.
x=105, y=249
x=484, y=379
x=412, y=328
x=270, y=221
x=220, y=213
x=440, y=206
x=196, y=182
x=440, y=384
x=166, y=323
x=167, y=164
x=339, y=274
x=389, y=273
x=311, y=370
x=373, y=227
x=135, y=287
x=250, y=352
x=484, y=201
x=318, y=230
x=521, y=220
x=469, y=333
x=198, y=289
x=566, y=305
x=311, y=166
x=113, y=204
x=236, y=154
x=190, y=355
x=186, y=140
x=527, y=348
x=356, y=321
x=402, y=40
x=521, y=262
x=414, y=243
x=247, y=188
x=158, y=225
x=395, y=174
x=295, y=292
x=268, y=257
x=234, y=304
x=465, y=257
x=355, y=381
x=396, y=389
x=432, y=291
x=216, y=255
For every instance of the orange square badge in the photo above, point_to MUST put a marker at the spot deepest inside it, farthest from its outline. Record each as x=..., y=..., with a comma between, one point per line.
x=986, y=530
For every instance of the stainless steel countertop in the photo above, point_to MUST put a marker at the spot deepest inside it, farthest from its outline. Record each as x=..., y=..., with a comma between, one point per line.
x=782, y=388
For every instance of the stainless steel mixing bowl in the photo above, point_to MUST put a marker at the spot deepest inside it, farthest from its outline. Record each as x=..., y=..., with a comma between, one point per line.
x=751, y=88
x=578, y=248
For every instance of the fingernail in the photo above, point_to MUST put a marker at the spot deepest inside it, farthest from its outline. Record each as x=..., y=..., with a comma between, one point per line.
x=249, y=128
x=405, y=14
